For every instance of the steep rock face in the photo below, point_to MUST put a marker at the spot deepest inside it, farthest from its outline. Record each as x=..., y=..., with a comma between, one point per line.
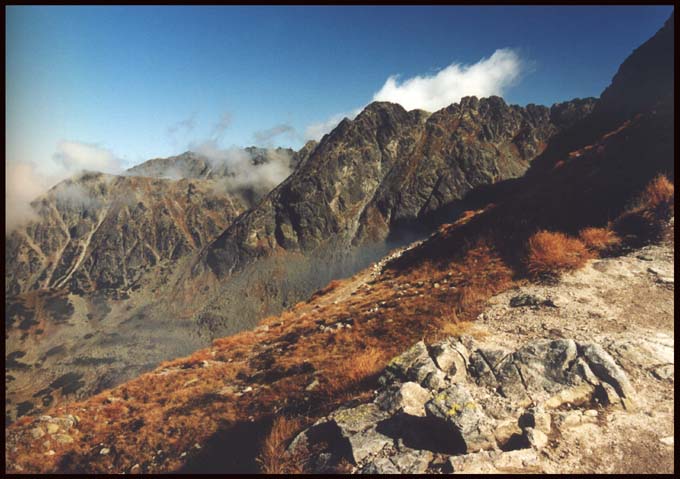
x=100, y=232
x=388, y=167
x=643, y=84
x=644, y=79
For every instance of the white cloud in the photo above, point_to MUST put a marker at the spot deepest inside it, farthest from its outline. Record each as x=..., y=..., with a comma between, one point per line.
x=243, y=173
x=182, y=127
x=76, y=156
x=23, y=184
x=222, y=125
x=265, y=137
x=489, y=76
x=24, y=181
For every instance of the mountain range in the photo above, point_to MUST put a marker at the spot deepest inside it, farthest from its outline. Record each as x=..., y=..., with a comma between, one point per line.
x=119, y=273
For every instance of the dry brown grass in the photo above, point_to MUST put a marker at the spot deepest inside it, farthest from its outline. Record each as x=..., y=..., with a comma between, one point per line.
x=646, y=220
x=274, y=459
x=599, y=240
x=550, y=253
x=457, y=330
x=365, y=365
x=658, y=195
x=330, y=287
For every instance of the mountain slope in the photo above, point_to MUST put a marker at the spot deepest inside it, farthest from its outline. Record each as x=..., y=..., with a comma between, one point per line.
x=100, y=232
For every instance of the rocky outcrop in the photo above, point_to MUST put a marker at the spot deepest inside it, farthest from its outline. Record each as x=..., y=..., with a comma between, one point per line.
x=491, y=412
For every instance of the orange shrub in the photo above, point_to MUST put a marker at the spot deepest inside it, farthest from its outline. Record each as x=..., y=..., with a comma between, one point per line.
x=549, y=253
x=659, y=194
x=273, y=456
x=646, y=220
x=599, y=239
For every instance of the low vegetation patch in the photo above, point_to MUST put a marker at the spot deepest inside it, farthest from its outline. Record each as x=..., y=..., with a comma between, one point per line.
x=647, y=218
x=273, y=456
x=550, y=253
x=599, y=240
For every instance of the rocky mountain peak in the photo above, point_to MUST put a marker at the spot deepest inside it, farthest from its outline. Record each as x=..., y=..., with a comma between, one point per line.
x=385, y=168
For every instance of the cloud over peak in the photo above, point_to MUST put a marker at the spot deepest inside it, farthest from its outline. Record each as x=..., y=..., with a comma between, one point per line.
x=489, y=76
x=25, y=180
x=75, y=156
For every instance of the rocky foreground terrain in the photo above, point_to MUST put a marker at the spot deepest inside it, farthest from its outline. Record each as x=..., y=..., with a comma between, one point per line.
x=576, y=377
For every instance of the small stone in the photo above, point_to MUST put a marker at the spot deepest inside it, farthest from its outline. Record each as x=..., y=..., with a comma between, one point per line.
x=590, y=412
x=536, y=438
x=456, y=406
x=535, y=417
x=136, y=469
x=577, y=395
x=571, y=420
x=52, y=428
x=37, y=433
x=474, y=463
x=50, y=453
x=66, y=422
x=505, y=430
x=63, y=438
x=381, y=465
x=525, y=460
x=409, y=397
x=605, y=368
x=668, y=441
x=247, y=389
x=183, y=455
x=105, y=451
x=664, y=372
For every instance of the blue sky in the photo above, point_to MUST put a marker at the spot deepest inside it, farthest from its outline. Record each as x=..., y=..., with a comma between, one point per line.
x=144, y=82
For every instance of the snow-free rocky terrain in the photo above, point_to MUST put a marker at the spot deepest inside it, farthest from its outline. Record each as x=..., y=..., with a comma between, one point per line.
x=450, y=355
x=575, y=377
